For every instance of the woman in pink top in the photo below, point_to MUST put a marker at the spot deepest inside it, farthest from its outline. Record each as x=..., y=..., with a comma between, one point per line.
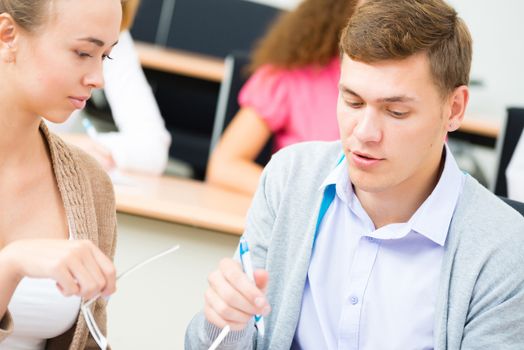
x=292, y=93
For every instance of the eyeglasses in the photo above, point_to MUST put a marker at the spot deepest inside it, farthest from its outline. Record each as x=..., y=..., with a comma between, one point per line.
x=99, y=338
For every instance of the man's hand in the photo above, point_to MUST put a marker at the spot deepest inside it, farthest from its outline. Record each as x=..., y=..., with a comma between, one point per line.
x=232, y=298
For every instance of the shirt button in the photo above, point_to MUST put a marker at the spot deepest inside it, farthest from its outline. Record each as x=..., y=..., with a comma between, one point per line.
x=371, y=239
x=354, y=300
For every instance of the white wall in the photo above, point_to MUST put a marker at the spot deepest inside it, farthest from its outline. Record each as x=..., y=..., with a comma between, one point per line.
x=498, y=57
x=498, y=61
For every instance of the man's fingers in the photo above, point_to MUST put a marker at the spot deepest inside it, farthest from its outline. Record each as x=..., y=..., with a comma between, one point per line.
x=215, y=319
x=226, y=312
x=261, y=279
x=230, y=295
x=234, y=276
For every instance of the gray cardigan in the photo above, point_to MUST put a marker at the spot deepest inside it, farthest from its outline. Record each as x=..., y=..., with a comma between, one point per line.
x=480, y=301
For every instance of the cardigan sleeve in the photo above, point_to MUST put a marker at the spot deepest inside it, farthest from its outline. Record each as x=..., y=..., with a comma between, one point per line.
x=6, y=326
x=495, y=317
x=200, y=333
x=105, y=211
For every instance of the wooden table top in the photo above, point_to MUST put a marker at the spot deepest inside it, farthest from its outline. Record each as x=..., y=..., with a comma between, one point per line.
x=183, y=201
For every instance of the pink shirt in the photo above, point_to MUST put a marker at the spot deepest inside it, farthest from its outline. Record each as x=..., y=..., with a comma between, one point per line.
x=297, y=105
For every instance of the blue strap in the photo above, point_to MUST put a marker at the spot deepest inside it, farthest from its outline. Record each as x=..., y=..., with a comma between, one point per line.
x=327, y=199
x=329, y=195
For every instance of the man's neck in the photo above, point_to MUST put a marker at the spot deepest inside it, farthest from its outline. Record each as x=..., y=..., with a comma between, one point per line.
x=399, y=203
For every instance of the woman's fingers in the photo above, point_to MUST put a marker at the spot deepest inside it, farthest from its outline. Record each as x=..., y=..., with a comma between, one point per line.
x=78, y=267
x=107, y=271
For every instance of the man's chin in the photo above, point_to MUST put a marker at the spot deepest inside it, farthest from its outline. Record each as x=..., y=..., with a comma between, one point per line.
x=367, y=182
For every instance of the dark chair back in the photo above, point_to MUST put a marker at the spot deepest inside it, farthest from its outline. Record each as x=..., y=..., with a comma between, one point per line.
x=211, y=27
x=506, y=145
x=147, y=20
x=235, y=77
x=218, y=27
x=518, y=206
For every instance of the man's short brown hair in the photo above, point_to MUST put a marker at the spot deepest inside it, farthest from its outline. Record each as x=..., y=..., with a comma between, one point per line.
x=396, y=29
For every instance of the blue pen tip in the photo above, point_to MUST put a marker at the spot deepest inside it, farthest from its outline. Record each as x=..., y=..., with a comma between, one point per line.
x=86, y=123
x=243, y=246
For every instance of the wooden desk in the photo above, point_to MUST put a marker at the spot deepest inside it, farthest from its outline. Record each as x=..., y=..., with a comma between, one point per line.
x=480, y=126
x=177, y=200
x=180, y=62
x=182, y=201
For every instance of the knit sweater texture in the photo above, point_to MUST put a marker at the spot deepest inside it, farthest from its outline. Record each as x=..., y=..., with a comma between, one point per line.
x=87, y=194
x=480, y=296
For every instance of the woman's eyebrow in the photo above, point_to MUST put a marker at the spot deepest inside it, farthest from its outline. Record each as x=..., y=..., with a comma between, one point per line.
x=96, y=41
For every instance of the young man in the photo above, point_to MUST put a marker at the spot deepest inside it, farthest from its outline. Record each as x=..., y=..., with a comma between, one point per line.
x=379, y=241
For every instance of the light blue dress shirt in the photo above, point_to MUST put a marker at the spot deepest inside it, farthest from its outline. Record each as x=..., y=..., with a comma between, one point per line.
x=376, y=289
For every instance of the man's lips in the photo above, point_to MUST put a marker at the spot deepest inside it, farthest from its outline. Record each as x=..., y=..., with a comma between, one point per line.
x=364, y=160
x=365, y=155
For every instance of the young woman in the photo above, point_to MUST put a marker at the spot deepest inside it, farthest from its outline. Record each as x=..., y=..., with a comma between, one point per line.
x=142, y=142
x=291, y=95
x=57, y=213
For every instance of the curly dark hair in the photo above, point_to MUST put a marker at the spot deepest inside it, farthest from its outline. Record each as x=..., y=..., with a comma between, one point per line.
x=309, y=35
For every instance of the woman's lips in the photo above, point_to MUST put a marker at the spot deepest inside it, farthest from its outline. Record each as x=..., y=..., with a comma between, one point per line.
x=78, y=102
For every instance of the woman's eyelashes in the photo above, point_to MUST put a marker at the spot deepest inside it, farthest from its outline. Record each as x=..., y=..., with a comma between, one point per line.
x=83, y=54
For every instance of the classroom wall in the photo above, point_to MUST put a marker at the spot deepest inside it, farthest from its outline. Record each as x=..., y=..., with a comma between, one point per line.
x=497, y=29
x=498, y=61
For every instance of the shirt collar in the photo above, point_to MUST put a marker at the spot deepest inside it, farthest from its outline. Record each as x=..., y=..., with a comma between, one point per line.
x=432, y=218
x=339, y=177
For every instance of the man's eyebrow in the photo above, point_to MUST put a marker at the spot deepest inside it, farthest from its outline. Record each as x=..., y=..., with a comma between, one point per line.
x=347, y=90
x=95, y=41
x=400, y=98
x=392, y=99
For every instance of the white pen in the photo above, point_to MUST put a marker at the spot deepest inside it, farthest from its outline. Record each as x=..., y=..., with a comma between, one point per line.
x=247, y=265
x=90, y=129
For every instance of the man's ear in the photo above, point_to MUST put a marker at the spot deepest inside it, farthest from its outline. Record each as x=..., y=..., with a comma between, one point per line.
x=8, y=35
x=458, y=101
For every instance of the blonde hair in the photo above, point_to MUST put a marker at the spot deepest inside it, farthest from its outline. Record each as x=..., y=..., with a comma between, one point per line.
x=28, y=14
x=129, y=8
x=388, y=30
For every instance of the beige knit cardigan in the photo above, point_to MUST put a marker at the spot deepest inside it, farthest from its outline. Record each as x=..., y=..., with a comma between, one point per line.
x=87, y=194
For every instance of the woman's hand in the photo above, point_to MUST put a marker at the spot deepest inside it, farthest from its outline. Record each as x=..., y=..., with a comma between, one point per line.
x=78, y=267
